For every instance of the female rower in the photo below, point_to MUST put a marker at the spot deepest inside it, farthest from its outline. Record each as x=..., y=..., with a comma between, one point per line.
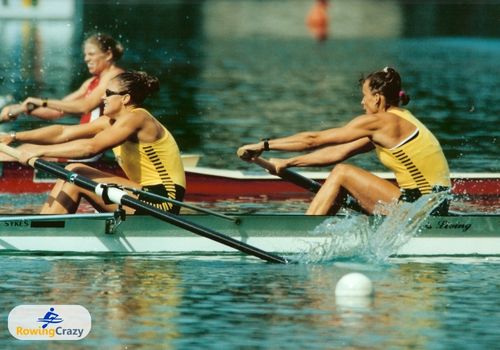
x=145, y=149
x=101, y=52
x=402, y=143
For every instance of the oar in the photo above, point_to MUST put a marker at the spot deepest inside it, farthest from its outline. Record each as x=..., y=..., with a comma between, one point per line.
x=118, y=196
x=290, y=175
x=181, y=204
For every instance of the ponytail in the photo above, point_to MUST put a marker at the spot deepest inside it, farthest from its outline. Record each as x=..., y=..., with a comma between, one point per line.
x=388, y=83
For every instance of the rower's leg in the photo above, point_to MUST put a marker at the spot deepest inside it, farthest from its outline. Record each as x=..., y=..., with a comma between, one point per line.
x=65, y=197
x=62, y=199
x=367, y=188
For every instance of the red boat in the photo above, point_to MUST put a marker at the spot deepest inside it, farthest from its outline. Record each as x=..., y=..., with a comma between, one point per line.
x=214, y=183
x=208, y=184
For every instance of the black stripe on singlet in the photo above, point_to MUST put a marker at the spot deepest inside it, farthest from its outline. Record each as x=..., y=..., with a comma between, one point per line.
x=165, y=178
x=422, y=183
x=160, y=190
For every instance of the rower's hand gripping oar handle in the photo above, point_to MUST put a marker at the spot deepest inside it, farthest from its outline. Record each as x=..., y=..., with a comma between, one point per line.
x=15, y=110
x=289, y=175
x=11, y=151
x=15, y=153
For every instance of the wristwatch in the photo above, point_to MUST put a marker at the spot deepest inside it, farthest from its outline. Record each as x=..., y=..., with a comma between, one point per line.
x=266, y=145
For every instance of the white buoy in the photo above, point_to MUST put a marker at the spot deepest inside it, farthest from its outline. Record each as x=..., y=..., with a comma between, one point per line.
x=354, y=284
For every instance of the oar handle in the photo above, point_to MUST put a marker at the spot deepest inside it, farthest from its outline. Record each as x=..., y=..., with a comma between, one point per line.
x=290, y=175
x=11, y=151
x=15, y=153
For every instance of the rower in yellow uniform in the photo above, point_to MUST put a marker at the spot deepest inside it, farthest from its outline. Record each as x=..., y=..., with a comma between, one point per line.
x=401, y=141
x=417, y=162
x=146, y=150
x=160, y=169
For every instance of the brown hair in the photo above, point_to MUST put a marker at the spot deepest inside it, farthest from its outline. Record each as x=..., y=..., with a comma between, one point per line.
x=106, y=43
x=139, y=85
x=388, y=83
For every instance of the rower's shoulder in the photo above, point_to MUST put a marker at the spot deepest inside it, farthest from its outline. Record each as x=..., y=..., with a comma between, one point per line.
x=111, y=73
x=394, y=114
x=138, y=117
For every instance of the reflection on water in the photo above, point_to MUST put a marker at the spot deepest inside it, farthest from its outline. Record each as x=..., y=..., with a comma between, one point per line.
x=187, y=303
x=38, y=64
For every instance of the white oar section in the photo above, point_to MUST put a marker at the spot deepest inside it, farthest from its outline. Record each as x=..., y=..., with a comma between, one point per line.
x=118, y=196
x=111, y=194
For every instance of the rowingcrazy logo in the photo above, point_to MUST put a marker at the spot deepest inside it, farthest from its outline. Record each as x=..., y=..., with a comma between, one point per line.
x=49, y=322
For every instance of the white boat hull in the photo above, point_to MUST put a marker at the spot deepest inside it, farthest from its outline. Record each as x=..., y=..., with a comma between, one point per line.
x=284, y=234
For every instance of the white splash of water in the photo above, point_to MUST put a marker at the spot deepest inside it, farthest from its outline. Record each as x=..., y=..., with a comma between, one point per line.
x=371, y=238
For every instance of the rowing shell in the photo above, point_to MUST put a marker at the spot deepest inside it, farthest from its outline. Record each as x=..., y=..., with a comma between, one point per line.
x=284, y=234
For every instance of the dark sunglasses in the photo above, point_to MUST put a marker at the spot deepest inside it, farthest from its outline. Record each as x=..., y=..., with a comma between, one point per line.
x=112, y=93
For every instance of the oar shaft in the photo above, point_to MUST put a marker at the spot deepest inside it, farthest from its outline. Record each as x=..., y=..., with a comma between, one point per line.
x=119, y=196
x=181, y=204
x=202, y=231
x=290, y=175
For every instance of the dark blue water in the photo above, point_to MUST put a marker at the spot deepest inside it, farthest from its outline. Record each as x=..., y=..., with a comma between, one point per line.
x=233, y=72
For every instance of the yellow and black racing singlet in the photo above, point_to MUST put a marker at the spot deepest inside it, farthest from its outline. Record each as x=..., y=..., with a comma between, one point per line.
x=420, y=162
x=153, y=164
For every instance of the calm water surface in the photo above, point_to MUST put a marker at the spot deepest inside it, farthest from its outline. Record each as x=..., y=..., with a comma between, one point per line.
x=172, y=302
x=233, y=72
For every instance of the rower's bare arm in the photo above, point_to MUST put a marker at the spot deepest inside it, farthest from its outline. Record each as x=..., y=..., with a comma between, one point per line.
x=302, y=141
x=297, y=142
x=79, y=93
x=359, y=128
x=109, y=137
x=57, y=134
x=75, y=103
x=47, y=113
x=330, y=155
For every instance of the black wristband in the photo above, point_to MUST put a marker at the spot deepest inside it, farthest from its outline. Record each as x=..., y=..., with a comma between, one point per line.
x=44, y=102
x=266, y=145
